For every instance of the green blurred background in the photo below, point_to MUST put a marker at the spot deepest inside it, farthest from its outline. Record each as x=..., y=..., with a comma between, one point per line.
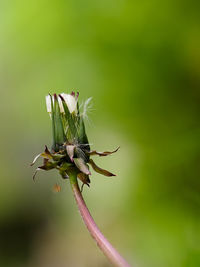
x=140, y=61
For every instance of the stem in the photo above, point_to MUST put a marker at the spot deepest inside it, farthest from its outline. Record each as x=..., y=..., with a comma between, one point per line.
x=111, y=253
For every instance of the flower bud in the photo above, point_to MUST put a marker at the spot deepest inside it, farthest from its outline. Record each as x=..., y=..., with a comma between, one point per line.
x=70, y=149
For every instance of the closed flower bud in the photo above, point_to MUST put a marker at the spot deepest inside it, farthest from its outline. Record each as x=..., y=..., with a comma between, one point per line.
x=70, y=149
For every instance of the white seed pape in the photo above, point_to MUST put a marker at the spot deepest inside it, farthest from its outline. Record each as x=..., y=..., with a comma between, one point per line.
x=71, y=102
x=48, y=104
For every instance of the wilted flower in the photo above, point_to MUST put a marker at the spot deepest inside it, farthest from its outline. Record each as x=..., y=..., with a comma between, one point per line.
x=70, y=151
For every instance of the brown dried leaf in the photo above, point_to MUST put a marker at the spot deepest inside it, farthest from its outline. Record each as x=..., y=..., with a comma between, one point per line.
x=35, y=160
x=84, y=178
x=100, y=170
x=38, y=169
x=46, y=155
x=102, y=154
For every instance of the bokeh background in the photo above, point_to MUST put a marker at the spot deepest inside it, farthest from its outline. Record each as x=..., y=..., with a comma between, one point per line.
x=140, y=61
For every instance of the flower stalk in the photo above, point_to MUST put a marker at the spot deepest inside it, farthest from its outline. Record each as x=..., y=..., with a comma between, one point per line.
x=109, y=251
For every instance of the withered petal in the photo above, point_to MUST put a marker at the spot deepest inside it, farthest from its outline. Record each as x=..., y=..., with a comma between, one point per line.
x=46, y=155
x=100, y=170
x=35, y=159
x=47, y=150
x=102, y=154
x=38, y=169
x=84, y=178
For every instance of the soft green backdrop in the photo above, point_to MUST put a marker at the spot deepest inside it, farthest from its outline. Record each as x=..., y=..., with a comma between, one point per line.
x=140, y=61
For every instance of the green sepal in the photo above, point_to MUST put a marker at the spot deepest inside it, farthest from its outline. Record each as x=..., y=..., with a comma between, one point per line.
x=57, y=157
x=82, y=137
x=63, y=173
x=60, y=137
x=65, y=166
x=65, y=169
x=78, y=112
x=79, y=153
x=48, y=165
x=70, y=119
x=53, y=124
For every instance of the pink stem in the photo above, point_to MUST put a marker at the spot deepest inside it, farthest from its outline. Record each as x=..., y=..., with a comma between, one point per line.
x=111, y=253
